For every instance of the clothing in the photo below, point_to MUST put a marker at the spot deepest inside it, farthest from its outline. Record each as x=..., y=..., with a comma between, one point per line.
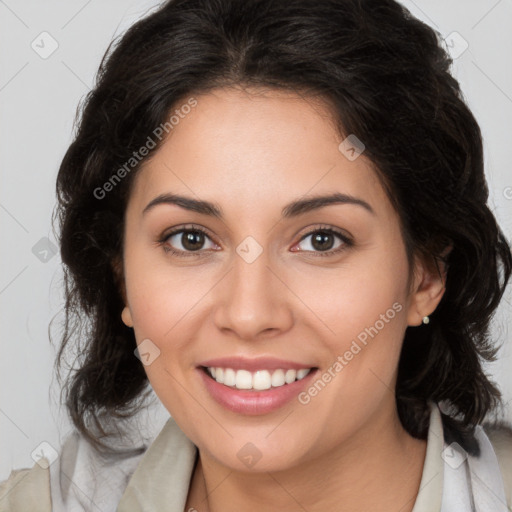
x=158, y=479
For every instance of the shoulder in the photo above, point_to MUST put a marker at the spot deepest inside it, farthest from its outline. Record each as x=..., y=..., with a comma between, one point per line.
x=501, y=440
x=78, y=473
x=26, y=489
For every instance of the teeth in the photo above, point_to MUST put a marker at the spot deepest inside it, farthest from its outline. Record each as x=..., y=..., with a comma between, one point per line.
x=302, y=373
x=229, y=377
x=259, y=380
x=278, y=378
x=243, y=379
x=290, y=376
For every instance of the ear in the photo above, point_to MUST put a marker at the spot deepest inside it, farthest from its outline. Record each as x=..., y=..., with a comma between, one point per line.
x=117, y=268
x=428, y=286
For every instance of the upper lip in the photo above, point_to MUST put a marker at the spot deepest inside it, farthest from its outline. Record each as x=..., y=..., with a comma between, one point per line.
x=254, y=364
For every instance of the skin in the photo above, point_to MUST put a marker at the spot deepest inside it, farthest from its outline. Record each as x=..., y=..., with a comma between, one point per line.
x=252, y=152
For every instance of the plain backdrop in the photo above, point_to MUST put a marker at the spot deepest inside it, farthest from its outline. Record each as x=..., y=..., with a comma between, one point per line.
x=50, y=52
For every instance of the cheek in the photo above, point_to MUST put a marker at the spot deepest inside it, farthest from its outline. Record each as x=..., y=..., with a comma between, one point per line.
x=347, y=301
x=162, y=305
x=159, y=294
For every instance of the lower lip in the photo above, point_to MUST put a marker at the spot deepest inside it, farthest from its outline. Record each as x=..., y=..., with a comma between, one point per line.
x=251, y=402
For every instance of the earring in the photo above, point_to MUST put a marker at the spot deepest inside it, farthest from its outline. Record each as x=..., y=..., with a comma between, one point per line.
x=426, y=319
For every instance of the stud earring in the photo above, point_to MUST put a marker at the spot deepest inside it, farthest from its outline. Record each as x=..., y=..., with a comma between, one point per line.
x=426, y=319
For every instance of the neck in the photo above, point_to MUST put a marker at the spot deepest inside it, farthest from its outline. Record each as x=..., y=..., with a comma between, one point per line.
x=378, y=468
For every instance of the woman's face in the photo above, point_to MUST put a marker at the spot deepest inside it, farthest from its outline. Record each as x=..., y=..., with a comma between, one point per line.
x=272, y=286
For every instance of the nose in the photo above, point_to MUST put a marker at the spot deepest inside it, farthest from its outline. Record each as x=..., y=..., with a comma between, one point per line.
x=253, y=300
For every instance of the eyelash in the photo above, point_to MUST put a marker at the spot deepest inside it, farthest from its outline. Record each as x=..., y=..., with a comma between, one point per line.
x=347, y=242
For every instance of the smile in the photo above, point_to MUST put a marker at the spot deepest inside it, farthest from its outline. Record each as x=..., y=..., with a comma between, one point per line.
x=237, y=385
x=259, y=380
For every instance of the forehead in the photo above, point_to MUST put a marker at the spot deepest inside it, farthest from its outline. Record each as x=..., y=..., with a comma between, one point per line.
x=255, y=150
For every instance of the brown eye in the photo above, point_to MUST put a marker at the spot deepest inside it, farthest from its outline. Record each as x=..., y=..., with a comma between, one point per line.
x=192, y=240
x=323, y=242
x=186, y=241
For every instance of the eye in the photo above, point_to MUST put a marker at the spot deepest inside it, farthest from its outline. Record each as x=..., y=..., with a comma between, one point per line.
x=323, y=239
x=191, y=239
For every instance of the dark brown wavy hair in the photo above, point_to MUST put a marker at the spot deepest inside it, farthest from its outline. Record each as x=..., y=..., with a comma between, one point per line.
x=386, y=77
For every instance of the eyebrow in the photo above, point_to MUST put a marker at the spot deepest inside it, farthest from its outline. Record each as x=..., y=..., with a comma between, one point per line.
x=293, y=209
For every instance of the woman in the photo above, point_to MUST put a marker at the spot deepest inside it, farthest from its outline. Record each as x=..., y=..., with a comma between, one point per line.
x=282, y=205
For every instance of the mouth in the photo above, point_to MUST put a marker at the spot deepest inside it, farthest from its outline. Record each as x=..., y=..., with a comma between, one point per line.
x=255, y=391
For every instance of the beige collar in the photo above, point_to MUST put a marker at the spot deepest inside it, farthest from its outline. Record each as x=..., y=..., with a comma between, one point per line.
x=162, y=478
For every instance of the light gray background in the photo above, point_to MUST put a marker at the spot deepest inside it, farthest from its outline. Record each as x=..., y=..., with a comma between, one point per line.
x=38, y=99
